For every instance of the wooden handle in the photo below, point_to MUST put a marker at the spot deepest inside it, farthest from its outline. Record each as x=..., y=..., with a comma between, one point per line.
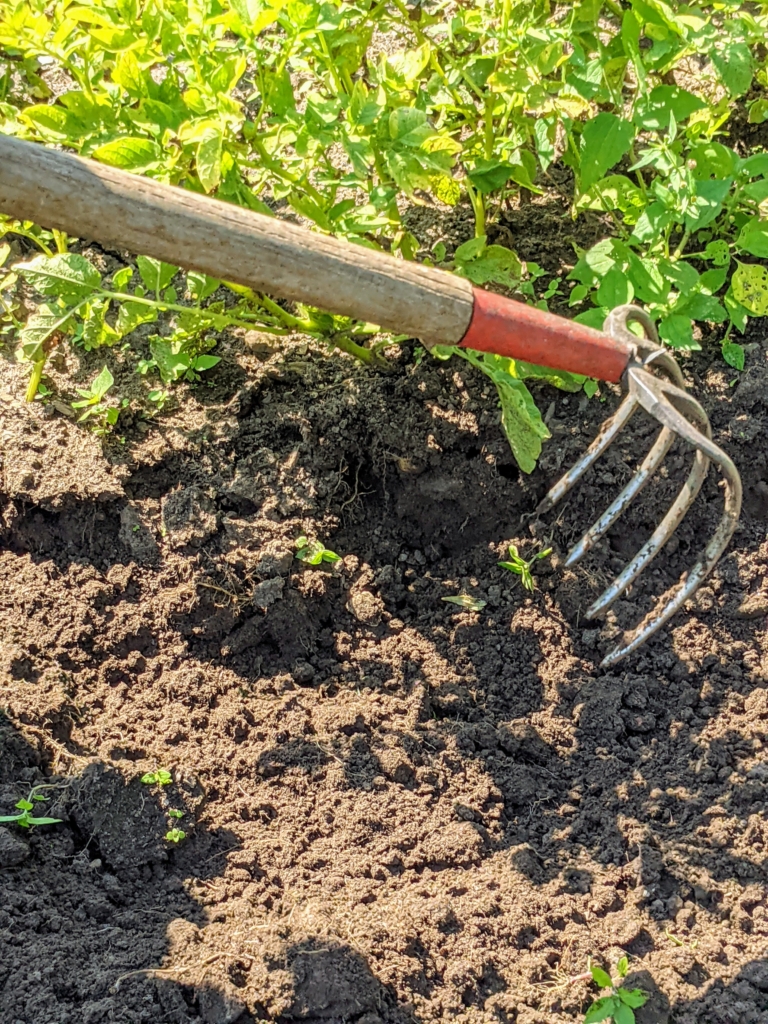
x=90, y=200
x=93, y=201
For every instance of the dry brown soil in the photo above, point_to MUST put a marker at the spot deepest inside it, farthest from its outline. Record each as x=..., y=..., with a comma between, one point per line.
x=396, y=810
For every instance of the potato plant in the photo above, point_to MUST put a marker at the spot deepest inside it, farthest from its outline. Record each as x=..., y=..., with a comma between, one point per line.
x=344, y=113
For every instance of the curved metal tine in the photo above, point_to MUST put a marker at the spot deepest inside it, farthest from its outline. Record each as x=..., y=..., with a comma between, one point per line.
x=607, y=434
x=673, y=600
x=656, y=397
x=642, y=475
x=657, y=540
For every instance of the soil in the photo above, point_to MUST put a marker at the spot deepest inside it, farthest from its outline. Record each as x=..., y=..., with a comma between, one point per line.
x=396, y=809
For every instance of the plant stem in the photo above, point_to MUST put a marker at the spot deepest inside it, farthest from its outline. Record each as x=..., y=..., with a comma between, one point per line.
x=175, y=307
x=489, y=104
x=34, y=380
x=681, y=247
x=478, y=208
x=345, y=343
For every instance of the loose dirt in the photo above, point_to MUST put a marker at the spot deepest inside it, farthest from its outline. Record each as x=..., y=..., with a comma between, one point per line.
x=396, y=810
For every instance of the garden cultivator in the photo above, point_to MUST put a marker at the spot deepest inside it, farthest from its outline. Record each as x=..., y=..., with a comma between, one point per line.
x=89, y=200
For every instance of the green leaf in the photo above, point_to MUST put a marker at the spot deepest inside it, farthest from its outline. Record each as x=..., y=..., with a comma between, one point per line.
x=171, y=364
x=707, y=203
x=54, y=123
x=121, y=279
x=68, y=275
x=279, y=93
x=129, y=154
x=701, y=306
x=470, y=250
x=756, y=165
x=206, y=362
x=36, y=332
x=403, y=121
x=758, y=111
x=753, y=237
x=102, y=383
x=521, y=420
x=615, y=289
x=651, y=223
x=601, y=1009
x=711, y=281
x=24, y=805
x=713, y=160
x=648, y=282
x=733, y=354
x=44, y=821
x=593, y=317
x=570, y=382
x=750, y=288
x=155, y=274
x=632, y=997
x=131, y=314
x=490, y=175
x=600, y=977
x=623, y=1015
x=653, y=110
x=496, y=264
x=682, y=274
x=604, y=141
x=735, y=65
x=614, y=192
x=201, y=286
x=208, y=158
x=96, y=330
x=737, y=313
x=677, y=331
x=718, y=252
x=622, y=967
x=756, y=190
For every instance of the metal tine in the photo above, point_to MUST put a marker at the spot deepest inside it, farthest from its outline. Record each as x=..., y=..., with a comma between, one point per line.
x=657, y=397
x=674, y=599
x=642, y=476
x=607, y=434
x=658, y=538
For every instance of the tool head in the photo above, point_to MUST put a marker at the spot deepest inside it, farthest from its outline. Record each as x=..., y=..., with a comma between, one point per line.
x=679, y=415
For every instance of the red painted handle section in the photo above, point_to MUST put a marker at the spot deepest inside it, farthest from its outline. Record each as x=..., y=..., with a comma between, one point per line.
x=508, y=328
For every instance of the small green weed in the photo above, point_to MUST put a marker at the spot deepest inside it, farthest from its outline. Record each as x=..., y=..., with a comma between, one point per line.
x=94, y=407
x=175, y=835
x=522, y=568
x=25, y=818
x=620, y=1005
x=161, y=777
x=313, y=552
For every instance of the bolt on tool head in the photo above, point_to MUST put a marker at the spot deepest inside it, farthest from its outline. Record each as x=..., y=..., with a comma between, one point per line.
x=680, y=415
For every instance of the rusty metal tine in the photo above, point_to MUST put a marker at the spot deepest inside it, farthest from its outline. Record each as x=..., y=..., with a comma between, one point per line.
x=607, y=434
x=658, y=539
x=644, y=473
